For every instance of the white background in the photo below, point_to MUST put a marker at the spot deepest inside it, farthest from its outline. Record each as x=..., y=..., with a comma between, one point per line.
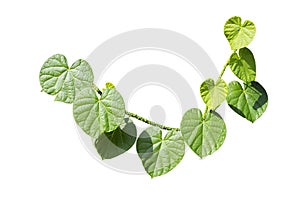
x=41, y=156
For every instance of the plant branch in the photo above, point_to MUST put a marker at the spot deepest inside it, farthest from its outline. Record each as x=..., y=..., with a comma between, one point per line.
x=223, y=70
x=147, y=121
x=205, y=111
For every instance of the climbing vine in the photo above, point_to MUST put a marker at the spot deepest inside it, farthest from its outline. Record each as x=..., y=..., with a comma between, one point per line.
x=102, y=115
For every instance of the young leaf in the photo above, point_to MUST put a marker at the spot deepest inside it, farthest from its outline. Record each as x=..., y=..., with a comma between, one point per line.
x=243, y=65
x=213, y=94
x=204, y=136
x=250, y=102
x=96, y=116
x=57, y=78
x=160, y=155
x=109, y=85
x=239, y=35
x=114, y=143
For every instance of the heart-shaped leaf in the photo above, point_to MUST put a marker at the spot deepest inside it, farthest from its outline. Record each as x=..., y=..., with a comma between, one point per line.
x=97, y=115
x=243, y=65
x=213, y=94
x=114, y=143
x=250, y=102
x=203, y=135
x=57, y=78
x=239, y=35
x=160, y=155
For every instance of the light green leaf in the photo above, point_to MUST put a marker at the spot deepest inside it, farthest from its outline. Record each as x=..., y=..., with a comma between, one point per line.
x=160, y=155
x=67, y=92
x=114, y=143
x=239, y=35
x=213, y=94
x=57, y=78
x=250, y=102
x=82, y=74
x=243, y=65
x=96, y=116
x=109, y=85
x=204, y=136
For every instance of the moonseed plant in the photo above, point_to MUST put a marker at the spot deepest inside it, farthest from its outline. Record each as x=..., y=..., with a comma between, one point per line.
x=101, y=114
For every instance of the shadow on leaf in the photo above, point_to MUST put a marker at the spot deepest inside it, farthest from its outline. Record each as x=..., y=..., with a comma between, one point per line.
x=145, y=143
x=263, y=98
x=235, y=109
x=114, y=143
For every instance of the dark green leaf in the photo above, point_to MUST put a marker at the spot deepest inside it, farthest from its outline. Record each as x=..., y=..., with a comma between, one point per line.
x=114, y=143
x=243, y=65
x=250, y=102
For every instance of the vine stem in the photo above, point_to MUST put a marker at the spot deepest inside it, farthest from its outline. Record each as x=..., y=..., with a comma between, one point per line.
x=147, y=121
x=205, y=111
x=152, y=123
x=223, y=70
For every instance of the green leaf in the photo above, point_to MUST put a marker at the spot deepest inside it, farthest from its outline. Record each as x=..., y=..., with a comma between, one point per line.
x=250, y=102
x=96, y=116
x=239, y=35
x=114, y=143
x=204, y=136
x=213, y=94
x=82, y=74
x=160, y=155
x=243, y=65
x=57, y=78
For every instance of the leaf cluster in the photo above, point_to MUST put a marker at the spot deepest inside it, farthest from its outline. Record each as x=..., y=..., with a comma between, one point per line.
x=102, y=114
